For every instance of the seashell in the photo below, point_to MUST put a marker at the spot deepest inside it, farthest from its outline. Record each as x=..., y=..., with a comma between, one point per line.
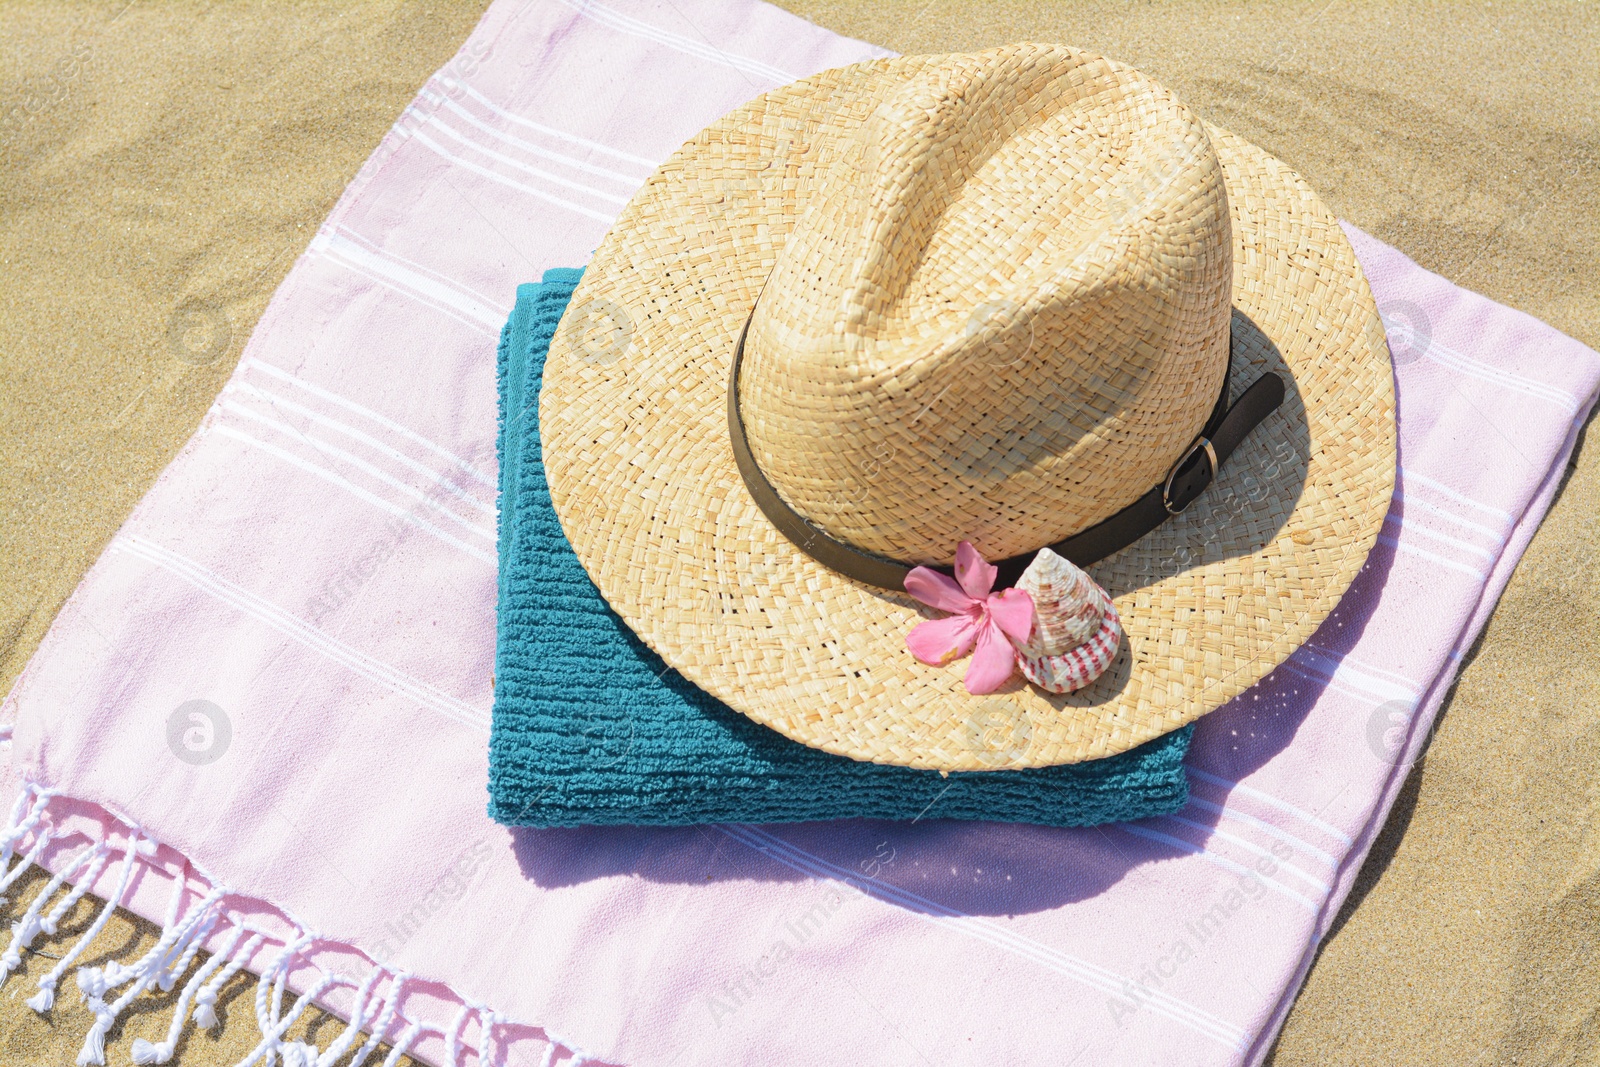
x=1067, y=604
x=1076, y=629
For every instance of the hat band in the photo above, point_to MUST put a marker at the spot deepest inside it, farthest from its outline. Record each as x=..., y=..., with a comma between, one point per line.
x=1188, y=477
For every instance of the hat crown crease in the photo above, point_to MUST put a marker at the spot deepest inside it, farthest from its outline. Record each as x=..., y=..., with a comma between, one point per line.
x=1012, y=327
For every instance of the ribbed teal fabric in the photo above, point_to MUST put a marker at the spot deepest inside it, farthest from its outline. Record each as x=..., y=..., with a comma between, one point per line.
x=591, y=727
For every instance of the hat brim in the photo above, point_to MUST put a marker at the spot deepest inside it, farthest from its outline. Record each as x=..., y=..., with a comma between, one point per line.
x=633, y=424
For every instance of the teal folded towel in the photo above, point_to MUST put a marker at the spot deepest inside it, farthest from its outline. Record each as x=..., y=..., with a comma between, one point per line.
x=591, y=727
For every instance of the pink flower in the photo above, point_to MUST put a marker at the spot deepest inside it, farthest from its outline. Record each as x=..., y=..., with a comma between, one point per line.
x=978, y=618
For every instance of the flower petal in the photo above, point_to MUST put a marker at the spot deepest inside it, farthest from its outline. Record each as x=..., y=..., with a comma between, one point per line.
x=937, y=590
x=938, y=641
x=993, y=661
x=1012, y=610
x=975, y=576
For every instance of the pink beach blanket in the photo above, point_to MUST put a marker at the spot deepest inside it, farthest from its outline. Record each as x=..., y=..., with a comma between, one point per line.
x=262, y=718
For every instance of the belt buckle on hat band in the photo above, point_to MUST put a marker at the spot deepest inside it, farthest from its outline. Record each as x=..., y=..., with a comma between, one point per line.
x=1201, y=443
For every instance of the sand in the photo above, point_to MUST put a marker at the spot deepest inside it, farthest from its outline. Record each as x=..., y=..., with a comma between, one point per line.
x=170, y=162
x=161, y=166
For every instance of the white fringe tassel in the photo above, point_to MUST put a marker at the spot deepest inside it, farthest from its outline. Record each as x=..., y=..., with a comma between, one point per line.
x=80, y=886
x=147, y=1052
x=45, y=999
x=43, y=842
x=149, y=974
x=205, y=1001
x=19, y=827
x=273, y=979
x=452, y=1039
x=271, y=1041
x=486, y=1023
x=358, y=1019
x=168, y=976
x=155, y=966
x=180, y=943
x=299, y=1054
x=25, y=929
x=391, y=1005
x=402, y=1046
x=14, y=828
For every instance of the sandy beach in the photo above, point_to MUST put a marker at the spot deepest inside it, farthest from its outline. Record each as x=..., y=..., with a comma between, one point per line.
x=161, y=165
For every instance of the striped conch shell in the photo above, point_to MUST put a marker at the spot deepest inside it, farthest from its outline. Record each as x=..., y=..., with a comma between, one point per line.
x=1076, y=630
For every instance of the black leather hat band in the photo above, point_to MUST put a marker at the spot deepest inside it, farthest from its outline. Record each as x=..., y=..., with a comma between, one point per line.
x=1185, y=481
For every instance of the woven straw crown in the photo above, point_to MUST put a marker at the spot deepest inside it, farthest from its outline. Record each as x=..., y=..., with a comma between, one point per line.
x=1003, y=312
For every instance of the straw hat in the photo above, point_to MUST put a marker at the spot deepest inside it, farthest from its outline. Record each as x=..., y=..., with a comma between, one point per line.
x=989, y=298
